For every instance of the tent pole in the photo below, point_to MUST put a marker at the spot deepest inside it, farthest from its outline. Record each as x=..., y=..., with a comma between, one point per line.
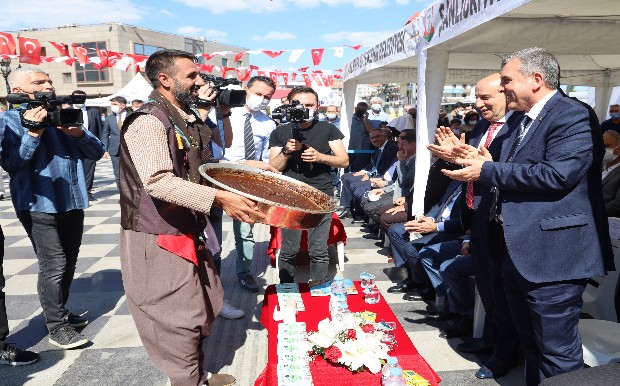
x=602, y=93
x=348, y=90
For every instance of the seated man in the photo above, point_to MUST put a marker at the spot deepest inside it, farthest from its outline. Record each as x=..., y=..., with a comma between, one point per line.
x=611, y=173
x=441, y=223
x=382, y=159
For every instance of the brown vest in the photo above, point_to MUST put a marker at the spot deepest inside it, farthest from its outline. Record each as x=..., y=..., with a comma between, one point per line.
x=141, y=212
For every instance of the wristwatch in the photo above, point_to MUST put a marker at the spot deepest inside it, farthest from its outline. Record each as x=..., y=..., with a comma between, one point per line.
x=285, y=152
x=227, y=115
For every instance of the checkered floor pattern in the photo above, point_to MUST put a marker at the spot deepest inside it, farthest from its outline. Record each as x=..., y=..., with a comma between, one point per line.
x=237, y=347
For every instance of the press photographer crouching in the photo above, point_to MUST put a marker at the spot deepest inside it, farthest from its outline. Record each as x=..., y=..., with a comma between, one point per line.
x=301, y=150
x=43, y=150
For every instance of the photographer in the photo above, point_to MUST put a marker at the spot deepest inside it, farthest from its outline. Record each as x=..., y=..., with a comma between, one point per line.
x=49, y=194
x=301, y=150
x=252, y=128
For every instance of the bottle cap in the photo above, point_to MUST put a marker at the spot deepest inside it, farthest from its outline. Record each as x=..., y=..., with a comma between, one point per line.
x=392, y=360
x=396, y=372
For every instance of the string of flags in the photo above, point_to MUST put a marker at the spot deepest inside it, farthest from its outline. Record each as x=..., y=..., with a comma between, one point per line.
x=30, y=53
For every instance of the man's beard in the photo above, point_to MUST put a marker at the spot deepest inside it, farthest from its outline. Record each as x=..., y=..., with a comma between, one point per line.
x=184, y=95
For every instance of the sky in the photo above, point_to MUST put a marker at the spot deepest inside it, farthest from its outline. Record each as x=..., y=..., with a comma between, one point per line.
x=253, y=24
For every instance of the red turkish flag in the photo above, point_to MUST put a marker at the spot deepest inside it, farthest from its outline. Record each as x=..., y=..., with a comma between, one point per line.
x=238, y=56
x=307, y=80
x=61, y=47
x=29, y=50
x=294, y=76
x=114, y=57
x=285, y=78
x=357, y=47
x=7, y=44
x=317, y=78
x=81, y=53
x=70, y=61
x=208, y=56
x=317, y=72
x=207, y=67
x=242, y=74
x=253, y=67
x=224, y=70
x=303, y=69
x=317, y=55
x=261, y=73
x=274, y=77
x=103, y=59
x=273, y=54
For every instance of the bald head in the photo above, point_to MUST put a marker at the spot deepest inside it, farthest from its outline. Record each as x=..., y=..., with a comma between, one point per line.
x=490, y=98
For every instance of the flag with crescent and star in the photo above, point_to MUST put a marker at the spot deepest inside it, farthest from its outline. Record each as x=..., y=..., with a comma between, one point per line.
x=7, y=44
x=29, y=50
x=61, y=47
x=81, y=53
x=317, y=55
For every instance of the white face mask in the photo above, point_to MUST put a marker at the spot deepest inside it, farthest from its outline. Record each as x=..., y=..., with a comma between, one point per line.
x=331, y=116
x=473, y=122
x=609, y=156
x=256, y=102
x=116, y=109
x=78, y=105
x=376, y=107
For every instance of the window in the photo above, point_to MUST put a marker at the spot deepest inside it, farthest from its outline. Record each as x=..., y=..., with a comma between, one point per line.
x=89, y=73
x=224, y=62
x=239, y=63
x=43, y=51
x=144, y=49
x=66, y=77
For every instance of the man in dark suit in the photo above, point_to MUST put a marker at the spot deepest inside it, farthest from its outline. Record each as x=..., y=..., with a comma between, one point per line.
x=111, y=134
x=550, y=207
x=92, y=123
x=611, y=173
x=380, y=162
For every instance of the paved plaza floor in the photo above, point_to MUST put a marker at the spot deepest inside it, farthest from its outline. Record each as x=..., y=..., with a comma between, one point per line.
x=238, y=347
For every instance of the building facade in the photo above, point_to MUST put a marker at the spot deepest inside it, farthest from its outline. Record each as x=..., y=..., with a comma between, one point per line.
x=115, y=37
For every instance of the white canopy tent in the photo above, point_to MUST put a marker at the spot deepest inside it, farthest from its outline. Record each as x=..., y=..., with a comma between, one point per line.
x=137, y=88
x=461, y=41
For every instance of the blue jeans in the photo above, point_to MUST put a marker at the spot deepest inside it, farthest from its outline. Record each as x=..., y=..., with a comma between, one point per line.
x=244, y=245
x=431, y=258
x=56, y=238
x=317, y=249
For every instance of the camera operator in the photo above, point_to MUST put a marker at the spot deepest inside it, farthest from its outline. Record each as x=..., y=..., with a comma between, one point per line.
x=49, y=194
x=302, y=150
x=251, y=131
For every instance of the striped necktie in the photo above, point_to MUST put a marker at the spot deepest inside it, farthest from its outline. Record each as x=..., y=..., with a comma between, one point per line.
x=248, y=139
x=470, y=185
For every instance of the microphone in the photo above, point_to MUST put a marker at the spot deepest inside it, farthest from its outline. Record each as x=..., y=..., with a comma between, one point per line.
x=16, y=99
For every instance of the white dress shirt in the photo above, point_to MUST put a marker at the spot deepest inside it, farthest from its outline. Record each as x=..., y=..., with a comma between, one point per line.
x=262, y=126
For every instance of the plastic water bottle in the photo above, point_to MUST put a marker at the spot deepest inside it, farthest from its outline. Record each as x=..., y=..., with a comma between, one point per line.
x=395, y=378
x=392, y=363
x=339, y=291
x=334, y=307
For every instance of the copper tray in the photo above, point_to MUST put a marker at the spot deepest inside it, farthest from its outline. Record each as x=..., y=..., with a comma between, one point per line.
x=286, y=202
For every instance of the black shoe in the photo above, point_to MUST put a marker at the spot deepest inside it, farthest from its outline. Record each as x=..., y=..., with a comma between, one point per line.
x=402, y=288
x=66, y=337
x=247, y=283
x=418, y=295
x=461, y=327
x=346, y=213
x=441, y=316
x=76, y=321
x=475, y=347
x=91, y=197
x=13, y=356
x=358, y=220
x=486, y=373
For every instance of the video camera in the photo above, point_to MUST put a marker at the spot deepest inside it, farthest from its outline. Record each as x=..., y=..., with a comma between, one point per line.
x=55, y=115
x=231, y=98
x=295, y=112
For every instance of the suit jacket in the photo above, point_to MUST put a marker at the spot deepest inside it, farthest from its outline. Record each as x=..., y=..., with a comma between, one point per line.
x=453, y=224
x=111, y=135
x=94, y=121
x=611, y=192
x=387, y=158
x=436, y=184
x=554, y=216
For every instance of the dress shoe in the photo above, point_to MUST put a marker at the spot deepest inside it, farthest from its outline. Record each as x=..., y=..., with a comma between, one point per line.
x=220, y=380
x=475, y=347
x=247, y=283
x=486, y=373
x=358, y=220
x=462, y=326
x=402, y=288
x=345, y=213
x=418, y=295
x=442, y=316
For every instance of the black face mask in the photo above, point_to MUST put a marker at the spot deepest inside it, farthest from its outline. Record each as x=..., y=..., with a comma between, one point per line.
x=359, y=113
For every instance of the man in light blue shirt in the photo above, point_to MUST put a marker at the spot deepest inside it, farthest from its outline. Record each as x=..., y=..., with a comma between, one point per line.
x=251, y=130
x=49, y=194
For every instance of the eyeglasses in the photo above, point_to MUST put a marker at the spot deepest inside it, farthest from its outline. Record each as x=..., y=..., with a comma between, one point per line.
x=376, y=137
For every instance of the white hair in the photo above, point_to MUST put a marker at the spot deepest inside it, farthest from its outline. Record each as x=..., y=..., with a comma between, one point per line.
x=376, y=99
x=15, y=77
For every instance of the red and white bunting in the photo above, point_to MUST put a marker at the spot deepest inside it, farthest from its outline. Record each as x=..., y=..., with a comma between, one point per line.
x=7, y=44
x=29, y=50
x=273, y=54
x=317, y=55
x=82, y=54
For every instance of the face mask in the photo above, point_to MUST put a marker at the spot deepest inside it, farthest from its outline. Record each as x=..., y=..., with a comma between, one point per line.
x=376, y=107
x=78, y=105
x=255, y=102
x=473, y=122
x=331, y=117
x=116, y=109
x=614, y=115
x=609, y=156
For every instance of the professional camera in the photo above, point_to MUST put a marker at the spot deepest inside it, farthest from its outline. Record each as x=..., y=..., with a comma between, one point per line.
x=295, y=112
x=231, y=98
x=55, y=115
